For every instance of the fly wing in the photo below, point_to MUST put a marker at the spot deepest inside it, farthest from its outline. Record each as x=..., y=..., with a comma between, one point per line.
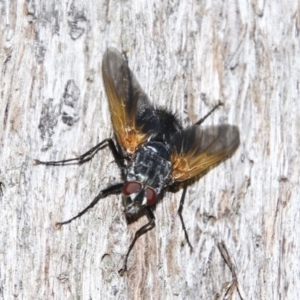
x=130, y=109
x=196, y=148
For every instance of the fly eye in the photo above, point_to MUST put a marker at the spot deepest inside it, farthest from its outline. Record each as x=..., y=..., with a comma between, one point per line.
x=150, y=195
x=131, y=188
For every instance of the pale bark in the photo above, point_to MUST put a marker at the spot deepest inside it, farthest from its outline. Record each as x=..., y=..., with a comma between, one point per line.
x=187, y=55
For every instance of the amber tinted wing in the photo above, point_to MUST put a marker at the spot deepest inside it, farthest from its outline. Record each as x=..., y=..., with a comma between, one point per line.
x=130, y=109
x=197, y=148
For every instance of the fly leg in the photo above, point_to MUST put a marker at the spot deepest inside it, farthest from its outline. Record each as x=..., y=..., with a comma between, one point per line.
x=179, y=211
x=140, y=232
x=116, y=188
x=208, y=114
x=88, y=156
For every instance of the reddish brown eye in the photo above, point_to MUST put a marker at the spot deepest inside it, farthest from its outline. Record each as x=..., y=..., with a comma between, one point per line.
x=150, y=195
x=131, y=188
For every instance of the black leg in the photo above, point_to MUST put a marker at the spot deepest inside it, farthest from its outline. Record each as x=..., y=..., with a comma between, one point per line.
x=208, y=114
x=179, y=211
x=116, y=188
x=88, y=156
x=140, y=232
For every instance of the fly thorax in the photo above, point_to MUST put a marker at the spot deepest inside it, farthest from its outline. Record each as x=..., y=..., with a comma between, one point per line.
x=150, y=166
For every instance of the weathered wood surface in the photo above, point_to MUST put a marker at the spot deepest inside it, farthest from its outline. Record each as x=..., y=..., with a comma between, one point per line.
x=187, y=55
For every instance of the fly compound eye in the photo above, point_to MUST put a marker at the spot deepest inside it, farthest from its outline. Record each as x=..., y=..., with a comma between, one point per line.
x=150, y=195
x=131, y=187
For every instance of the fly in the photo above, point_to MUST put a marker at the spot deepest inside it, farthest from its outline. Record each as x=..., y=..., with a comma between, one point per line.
x=152, y=149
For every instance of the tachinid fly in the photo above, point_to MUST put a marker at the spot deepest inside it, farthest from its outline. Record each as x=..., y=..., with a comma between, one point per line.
x=152, y=149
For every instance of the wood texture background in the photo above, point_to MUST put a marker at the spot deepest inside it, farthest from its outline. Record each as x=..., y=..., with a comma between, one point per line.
x=187, y=55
